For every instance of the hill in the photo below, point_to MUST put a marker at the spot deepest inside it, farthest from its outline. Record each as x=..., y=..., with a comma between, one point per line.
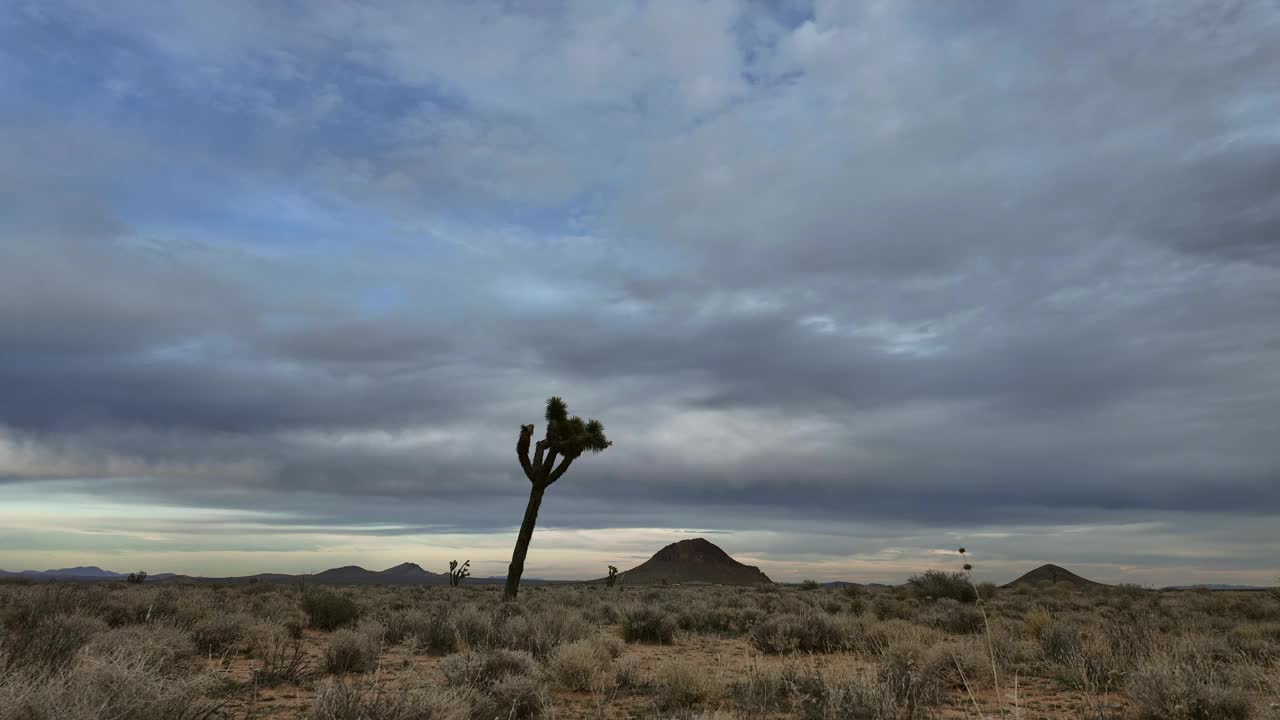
x=1054, y=574
x=402, y=574
x=693, y=561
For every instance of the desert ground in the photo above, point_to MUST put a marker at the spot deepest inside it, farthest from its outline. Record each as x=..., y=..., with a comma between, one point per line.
x=928, y=649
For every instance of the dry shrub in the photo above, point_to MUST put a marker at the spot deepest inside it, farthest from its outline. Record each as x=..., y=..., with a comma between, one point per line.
x=429, y=632
x=340, y=700
x=220, y=633
x=109, y=687
x=480, y=669
x=648, y=625
x=682, y=683
x=1036, y=621
x=1179, y=683
x=920, y=675
x=1256, y=641
x=844, y=694
x=583, y=665
x=627, y=672
x=350, y=651
x=283, y=657
x=159, y=645
x=512, y=697
x=538, y=633
x=768, y=687
x=937, y=584
x=472, y=628
x=812, y=632
x=327, y=610
x=49, y=643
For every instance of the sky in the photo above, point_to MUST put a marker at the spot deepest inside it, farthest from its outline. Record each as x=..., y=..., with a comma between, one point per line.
x=850, y=284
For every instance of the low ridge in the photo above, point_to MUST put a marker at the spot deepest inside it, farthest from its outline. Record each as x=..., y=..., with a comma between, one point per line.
x=693, y=561
x=1054, y=574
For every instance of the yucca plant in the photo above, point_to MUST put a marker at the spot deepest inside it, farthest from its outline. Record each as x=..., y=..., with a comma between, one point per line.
x=458, y=573
x=567, y=438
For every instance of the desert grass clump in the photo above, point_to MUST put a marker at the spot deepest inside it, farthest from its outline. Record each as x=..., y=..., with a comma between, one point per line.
x=681, y=683
x=646, y=624
x=104, y=687
x=1256, y=641
x=1181, y=684
x=541, y=632
x=842, y=693
x=350, y=651
x=347, y=700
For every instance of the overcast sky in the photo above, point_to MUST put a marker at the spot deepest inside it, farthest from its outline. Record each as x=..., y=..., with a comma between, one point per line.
x=850, y=284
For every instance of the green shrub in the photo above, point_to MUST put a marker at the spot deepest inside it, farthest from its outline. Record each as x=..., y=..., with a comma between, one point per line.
x=328, y=610
x=937, y=584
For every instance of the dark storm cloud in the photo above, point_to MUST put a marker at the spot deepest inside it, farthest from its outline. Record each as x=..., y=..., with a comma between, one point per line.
x=944, y=265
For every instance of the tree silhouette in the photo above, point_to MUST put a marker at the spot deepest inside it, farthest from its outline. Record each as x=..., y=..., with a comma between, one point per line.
x=566, y=439
x=458, y=574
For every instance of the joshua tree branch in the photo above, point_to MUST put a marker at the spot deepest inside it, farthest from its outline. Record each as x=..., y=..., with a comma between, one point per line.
x=564, y=465
x=537, y=454
x=522, y=450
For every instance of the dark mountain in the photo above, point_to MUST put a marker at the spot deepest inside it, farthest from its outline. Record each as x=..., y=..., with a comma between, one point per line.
x=693, y=561
x=76, y=573
x=1054, y=574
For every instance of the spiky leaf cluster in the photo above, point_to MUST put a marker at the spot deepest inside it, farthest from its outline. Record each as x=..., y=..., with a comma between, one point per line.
x=572, y=436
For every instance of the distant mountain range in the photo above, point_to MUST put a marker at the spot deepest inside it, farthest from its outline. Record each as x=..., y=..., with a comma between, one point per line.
x=402, y=574
x=693, y=561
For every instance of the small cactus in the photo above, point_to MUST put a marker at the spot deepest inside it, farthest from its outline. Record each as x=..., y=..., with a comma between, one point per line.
x=458, y=573
x=613, y=576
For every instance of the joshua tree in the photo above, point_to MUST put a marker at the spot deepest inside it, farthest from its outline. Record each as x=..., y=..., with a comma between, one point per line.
x=566, y=439
x=613, y=576
x=456, y=574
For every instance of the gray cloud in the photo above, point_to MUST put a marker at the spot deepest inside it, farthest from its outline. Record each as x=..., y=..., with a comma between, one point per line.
x=942, y=266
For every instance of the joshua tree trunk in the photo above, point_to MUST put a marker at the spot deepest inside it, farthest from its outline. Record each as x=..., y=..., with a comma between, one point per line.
x=567, y=438
x=522, y=542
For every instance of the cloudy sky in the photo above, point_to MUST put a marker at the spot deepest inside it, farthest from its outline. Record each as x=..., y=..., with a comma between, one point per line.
x=849, y=283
